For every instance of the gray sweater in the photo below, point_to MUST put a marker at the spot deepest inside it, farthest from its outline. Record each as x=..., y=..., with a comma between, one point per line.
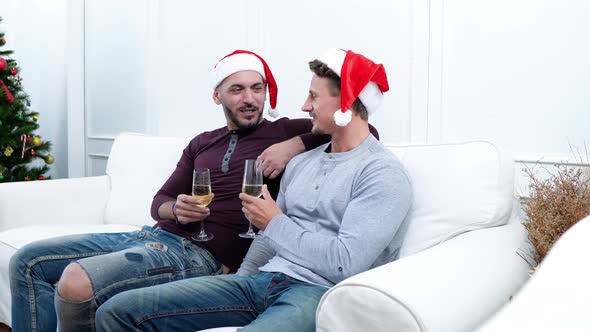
x=344, y=213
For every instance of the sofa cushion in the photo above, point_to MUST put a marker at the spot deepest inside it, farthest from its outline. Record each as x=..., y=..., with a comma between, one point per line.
x=457, y=188
x=138, y=166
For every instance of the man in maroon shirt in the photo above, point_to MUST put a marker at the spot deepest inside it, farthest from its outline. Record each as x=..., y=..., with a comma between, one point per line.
x=94, y=267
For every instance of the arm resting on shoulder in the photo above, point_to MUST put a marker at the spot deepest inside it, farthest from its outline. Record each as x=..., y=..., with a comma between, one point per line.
x=275, y=157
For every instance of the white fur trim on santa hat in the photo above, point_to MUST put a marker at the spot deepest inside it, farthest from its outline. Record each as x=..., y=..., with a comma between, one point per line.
x=334, y=58
x=273, y=112
x=235, y=63
x=371, y=97
x=342, y=119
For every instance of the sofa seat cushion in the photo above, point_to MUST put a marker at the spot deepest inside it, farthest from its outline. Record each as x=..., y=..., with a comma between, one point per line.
x=13, y=239
x=457, y=188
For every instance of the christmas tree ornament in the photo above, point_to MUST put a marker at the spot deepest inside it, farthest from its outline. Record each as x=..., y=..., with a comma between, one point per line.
x=23, y=139
x=49, y=159
x=18, y=80
x=35, y=117
x=2, y=42
x=8, y=151
x=33, y=153
x=0, y=122
x=41, y=177
x=3, y=64
x=7, y=92
x=36, y=140
x=20, y=117
x=27, y=178
x=13, y=71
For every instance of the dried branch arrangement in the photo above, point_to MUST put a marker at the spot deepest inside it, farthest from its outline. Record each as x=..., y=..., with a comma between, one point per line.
x=555, y=204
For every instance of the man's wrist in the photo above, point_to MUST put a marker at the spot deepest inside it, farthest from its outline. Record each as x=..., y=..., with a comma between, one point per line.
x=174, y=211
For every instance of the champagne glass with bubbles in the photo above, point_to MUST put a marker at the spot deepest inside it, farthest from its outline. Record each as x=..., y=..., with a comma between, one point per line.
x=202, y=190
x=252, y=185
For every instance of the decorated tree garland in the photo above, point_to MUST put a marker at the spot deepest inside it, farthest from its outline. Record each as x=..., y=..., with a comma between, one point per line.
x=19, y=145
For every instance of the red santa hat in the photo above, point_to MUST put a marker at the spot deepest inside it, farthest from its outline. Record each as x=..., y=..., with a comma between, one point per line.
x=241, y=60
x=359, y=78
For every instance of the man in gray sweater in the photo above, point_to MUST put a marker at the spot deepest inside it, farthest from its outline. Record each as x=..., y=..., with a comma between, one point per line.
x=341, y=210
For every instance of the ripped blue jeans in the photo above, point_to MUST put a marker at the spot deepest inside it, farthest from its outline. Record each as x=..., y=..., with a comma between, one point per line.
x=115, y=262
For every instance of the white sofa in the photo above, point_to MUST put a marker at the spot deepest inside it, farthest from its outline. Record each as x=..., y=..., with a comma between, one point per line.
x=460, y=260
x=556, y=298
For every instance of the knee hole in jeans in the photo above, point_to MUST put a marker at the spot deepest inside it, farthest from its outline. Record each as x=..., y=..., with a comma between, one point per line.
x=74, y=284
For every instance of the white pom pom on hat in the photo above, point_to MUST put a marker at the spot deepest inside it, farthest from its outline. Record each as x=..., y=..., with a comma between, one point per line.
x=240, y=60
x=359, y=78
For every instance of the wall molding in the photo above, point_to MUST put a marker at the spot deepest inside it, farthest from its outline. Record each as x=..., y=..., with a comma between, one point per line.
x=548, y=159
x=76, y=88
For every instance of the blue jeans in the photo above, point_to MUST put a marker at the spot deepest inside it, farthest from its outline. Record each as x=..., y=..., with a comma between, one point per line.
x=115, y=262
x=264, y=302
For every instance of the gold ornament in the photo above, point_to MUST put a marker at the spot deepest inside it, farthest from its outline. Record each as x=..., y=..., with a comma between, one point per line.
x=49, y=159
x=36, y=140
x=8, y=151
x=35, y=117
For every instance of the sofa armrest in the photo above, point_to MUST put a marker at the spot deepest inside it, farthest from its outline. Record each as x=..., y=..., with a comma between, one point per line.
x=63, y=201
x=556, y=297
x=454, y=286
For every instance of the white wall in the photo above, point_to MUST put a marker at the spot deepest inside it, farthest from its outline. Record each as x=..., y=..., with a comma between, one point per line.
x=288, y=35
x=153, y=59
x=517, y=72
x=35, y=31
x=512, y=72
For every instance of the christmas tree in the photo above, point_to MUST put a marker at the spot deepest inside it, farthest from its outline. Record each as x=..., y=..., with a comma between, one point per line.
x=19, y=146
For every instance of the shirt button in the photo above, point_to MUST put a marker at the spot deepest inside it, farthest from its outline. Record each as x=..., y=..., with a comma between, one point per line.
x=340, y=268
x=317, y=187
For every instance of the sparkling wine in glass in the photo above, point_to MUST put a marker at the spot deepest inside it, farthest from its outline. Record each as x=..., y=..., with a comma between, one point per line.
x=202, y=190
x=252, y=185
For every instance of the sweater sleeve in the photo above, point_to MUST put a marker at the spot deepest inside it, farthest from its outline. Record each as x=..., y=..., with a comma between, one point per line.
x=367, y=228
x=259, y=253
x=179, y=181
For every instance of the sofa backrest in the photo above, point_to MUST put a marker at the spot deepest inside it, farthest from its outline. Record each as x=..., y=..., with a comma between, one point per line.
x=457, y=188
x=138, y=166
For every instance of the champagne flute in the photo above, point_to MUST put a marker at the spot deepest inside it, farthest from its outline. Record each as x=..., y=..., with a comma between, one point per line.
x=202, y=190
x=252, y=185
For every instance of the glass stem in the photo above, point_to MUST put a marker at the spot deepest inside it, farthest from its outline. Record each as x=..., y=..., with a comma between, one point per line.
x=202, y=233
